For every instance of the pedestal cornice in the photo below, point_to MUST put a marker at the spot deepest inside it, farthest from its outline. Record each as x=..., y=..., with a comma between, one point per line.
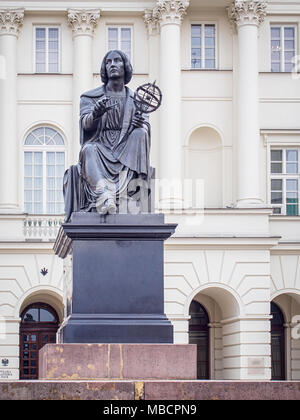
x=247, y=12
x=82, y=21
x=10, y=21
x=122, y=227
x=170, y=11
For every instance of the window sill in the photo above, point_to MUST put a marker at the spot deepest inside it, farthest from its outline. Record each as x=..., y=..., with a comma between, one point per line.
x=284, y=217
x=196, y=70
x=278, y=72
x=45, y=74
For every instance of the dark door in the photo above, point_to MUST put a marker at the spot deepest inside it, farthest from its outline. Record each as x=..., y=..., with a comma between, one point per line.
x=277, y=343
x=199, y=334
x=39, y=325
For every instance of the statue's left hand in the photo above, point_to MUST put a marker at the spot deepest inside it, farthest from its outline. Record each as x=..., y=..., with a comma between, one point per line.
x=138, y=121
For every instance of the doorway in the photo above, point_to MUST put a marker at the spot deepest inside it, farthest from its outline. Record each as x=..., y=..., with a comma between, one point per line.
x=277, y=343
x=39, y=324
x=199, y=334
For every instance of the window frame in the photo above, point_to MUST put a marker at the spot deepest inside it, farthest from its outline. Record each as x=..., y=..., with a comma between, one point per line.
x=283, y=176
x=44, y=149
x=47, y=27
x=119, y=27
x=282, y=26
x=203, y=23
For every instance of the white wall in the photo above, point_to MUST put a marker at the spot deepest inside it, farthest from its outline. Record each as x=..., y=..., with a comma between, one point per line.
x=21, y=283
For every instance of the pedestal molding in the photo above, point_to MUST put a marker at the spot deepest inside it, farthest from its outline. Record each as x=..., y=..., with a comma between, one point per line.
x=69, y=232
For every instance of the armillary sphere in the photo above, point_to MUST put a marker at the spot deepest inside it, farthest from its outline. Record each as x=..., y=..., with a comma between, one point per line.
x=147, y=98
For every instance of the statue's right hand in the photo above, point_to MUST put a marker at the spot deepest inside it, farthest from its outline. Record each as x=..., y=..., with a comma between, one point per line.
x=100, y=107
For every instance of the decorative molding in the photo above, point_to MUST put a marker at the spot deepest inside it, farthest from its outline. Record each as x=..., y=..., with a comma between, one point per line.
x=10, y=21
x=170, y=11
x=247, y=12
x=151, y=21
x=82, y=21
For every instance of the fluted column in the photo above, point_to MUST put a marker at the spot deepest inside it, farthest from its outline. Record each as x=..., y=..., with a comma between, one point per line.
x=247, y=17
x=10, y=22
x=170, y=14
x=83, y=23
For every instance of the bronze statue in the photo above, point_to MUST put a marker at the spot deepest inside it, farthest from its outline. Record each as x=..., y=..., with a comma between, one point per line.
x=115, y=143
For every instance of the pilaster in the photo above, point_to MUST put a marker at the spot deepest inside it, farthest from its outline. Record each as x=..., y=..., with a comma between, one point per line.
x=83, y=23
x=11, y=21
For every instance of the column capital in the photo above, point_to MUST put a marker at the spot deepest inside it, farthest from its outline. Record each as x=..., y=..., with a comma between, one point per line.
x=151, y=21
x=10, y=21
x=170, y=11
x=247, y=12
x=83, y=21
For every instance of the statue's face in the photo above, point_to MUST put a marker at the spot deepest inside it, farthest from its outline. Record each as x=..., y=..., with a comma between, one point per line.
x=114, y=66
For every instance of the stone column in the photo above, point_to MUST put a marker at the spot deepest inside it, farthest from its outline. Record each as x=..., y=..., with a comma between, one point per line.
x=152, y=27
x=83, y=22
x=10, y=22
x=170, y=14
x=247, y=17
x=216, y=345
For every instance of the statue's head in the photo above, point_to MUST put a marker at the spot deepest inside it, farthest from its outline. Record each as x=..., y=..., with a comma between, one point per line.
x=114, y=64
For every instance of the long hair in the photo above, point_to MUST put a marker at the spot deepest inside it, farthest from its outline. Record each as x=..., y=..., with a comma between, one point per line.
x=127, y=67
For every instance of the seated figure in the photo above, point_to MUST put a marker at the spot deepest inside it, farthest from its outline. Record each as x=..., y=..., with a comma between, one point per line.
x=115, y=144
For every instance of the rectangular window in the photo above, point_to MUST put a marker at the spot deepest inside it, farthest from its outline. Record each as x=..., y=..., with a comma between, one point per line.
x=33, y=188
x=55, y=166
x=120, y=38
x=46, y=50
x=285, y=183
x=203, y=46
x=283, y=48
x=43, y=182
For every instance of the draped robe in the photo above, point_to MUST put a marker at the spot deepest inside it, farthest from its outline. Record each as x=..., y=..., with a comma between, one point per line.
x=113, y=152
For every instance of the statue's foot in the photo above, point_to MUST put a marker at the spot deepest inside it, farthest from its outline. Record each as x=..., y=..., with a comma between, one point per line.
x=108, y=207
x=111, y=206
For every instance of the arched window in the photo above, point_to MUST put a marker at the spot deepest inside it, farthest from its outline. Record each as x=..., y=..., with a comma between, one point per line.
x=277, y=343
x=44, y=166
x=199, y=334
x=39, y=324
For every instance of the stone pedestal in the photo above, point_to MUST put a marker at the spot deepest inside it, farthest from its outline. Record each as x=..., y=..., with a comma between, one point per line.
x=117, y=281
x=118, y=362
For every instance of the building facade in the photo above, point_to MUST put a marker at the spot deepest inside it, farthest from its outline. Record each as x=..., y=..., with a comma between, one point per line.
x=226, y=138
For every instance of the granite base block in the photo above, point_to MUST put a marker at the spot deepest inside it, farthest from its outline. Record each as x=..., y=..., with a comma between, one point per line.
x=118, y=361
x=149, y=390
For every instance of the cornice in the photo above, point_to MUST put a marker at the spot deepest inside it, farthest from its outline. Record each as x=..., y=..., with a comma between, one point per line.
x=62, y=6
